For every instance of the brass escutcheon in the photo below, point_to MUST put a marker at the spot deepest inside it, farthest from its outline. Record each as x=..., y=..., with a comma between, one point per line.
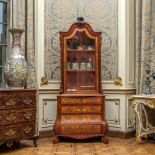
x=11, y=118
x=10, y=133
x=118, y=81
x=27, y=115
x=11, y=102
x=27, y=101
x=27, y=129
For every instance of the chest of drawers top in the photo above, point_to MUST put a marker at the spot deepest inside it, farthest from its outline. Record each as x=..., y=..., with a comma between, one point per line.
x=17, y=98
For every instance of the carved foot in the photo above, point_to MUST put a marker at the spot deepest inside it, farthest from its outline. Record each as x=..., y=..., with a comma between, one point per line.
x=105, y=139
x=139, y=140
x=35, y=141
x=146, y=137
x=2, y=142
x=55, y=139
x=9, y=143
x=17, y=142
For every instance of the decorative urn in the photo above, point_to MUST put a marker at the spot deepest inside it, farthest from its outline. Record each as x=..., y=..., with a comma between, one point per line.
x=15, y=68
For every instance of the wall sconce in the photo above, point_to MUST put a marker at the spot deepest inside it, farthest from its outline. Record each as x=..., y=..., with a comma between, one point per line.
x=44, y=81
x=118, y=81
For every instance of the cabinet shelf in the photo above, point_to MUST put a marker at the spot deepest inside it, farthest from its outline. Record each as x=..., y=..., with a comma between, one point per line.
x=80, y=50
x=73, y=71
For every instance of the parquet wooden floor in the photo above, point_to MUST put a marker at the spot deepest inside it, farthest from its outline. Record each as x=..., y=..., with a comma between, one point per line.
x=115, y=147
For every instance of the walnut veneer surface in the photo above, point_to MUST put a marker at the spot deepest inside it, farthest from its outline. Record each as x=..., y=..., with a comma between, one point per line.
x=115, y=147
x=17, y=115
x=82, y=116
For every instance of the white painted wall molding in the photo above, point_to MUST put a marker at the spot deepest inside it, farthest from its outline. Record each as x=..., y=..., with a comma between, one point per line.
x=39, y=39
x=126, y=13
x=130, y=43
x=113, y=112
x=47, y=111
x=130, y=115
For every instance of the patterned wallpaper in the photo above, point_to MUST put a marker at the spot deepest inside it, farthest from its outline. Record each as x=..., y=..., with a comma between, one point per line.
x=100, y=14
x=145, y=44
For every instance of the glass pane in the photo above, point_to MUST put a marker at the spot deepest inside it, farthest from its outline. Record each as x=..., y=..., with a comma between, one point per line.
x=81, y=80
x=3, y=12
x=2, y=55
x=2, y=34
x=81, y=73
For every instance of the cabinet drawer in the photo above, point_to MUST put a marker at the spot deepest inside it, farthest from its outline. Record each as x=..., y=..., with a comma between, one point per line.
x=18, y=131
x=81, y=109
x=17, y=116
x=9, y=102
x=82, y=118
x=82, y=100
x=81, y=129
x=27, y=130
x=10, y=132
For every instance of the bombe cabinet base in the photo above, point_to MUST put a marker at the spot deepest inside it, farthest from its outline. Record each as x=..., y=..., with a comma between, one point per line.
x=80, y=117
x=104, y=138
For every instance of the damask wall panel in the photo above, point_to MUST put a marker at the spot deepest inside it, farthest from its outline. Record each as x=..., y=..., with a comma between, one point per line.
x=100, y=14
x=145, y=43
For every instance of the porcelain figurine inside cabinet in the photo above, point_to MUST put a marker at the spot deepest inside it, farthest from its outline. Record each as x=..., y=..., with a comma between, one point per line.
x=81, y=104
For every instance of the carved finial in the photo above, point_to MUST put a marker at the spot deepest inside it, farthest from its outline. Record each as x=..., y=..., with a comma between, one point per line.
x=80, y=19
x=80, y=22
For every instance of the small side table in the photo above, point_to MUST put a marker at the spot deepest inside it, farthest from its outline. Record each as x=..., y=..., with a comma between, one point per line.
x=143, y=126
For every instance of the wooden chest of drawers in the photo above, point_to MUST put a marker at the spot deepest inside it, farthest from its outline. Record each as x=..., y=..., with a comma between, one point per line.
x=17, y=115
x=80, y=116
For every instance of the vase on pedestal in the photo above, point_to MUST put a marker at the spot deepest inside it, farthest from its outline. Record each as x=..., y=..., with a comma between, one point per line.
x=15, y=68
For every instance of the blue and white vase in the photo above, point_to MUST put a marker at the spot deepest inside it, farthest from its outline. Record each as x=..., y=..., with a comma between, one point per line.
x=15, y=68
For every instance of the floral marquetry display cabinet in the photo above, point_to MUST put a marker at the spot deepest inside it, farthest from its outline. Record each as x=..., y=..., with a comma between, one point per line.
x=81, y=104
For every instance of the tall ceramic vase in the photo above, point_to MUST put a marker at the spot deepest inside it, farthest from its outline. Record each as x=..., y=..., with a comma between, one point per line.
x=15, y=68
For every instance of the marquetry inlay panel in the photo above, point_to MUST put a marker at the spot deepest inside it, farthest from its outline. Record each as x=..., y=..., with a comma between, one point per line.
x=82, y=118
x=80, y=129
x=81, y=100
x=82, y=108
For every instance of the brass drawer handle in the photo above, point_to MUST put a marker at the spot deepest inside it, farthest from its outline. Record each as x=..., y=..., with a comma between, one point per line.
x=27, y=115
x=11, y=118
x=10, y=133
x=11, y=102
x=27, y=101
x=27, y=129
